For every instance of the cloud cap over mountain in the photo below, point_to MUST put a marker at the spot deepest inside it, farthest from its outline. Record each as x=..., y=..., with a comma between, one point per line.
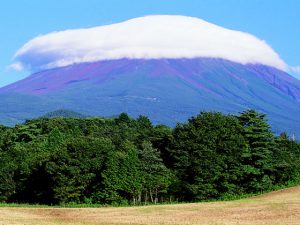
x=149, y=37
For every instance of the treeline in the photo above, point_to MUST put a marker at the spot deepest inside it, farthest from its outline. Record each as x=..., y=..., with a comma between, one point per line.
x=130, y=161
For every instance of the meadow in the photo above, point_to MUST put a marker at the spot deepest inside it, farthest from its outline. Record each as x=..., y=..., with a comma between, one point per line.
x=275, y=208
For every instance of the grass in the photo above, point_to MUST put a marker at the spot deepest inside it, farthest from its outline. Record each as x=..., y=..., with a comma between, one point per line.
x=276, y=208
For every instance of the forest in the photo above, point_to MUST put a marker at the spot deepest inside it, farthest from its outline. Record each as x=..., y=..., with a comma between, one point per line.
x=126, y=161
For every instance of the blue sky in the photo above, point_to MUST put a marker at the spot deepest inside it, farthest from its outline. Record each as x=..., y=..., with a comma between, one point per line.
x=276, y=22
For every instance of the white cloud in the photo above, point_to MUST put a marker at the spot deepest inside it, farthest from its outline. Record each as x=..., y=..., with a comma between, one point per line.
x=161, y=36
x=15, y=66
x=295, y=69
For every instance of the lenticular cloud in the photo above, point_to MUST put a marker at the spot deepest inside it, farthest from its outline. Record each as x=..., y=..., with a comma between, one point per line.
x=149, y=37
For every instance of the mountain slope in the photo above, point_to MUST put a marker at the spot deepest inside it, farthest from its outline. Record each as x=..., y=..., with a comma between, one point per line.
x=166, y=90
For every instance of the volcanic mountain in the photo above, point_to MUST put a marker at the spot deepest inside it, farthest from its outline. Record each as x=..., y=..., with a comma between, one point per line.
x=166, y=67
x=166, y=90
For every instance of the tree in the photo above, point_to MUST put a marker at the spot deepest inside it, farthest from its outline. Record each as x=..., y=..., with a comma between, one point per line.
x=121, y=177
x=206, y=154
x=144, y=129
x=7, y=181
x=156, y=178
x=259, y=167
x=74, y=167
x=286, y=160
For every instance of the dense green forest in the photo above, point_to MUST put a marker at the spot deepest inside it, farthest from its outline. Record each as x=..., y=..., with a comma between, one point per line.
x=130, y=161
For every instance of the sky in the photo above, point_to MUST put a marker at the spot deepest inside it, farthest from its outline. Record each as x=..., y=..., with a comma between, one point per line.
x=274, y=21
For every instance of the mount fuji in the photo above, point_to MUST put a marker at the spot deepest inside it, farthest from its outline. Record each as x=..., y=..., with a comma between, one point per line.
x=167, y=84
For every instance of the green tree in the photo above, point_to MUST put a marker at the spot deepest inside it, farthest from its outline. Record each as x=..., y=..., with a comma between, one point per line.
x=259, y=167
x=207, y=155
x=286, y=160
x=75, y=166
x=156, y=178
x=122, y=178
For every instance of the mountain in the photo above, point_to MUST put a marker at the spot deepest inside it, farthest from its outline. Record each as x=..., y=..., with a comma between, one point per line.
x=166, y=90
x=65, y=113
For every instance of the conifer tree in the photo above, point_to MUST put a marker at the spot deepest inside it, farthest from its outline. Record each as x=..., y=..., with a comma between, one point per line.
x=259, y=168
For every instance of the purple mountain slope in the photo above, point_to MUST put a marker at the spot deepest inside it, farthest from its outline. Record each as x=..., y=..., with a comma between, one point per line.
x=59, y=78
x=166, y=90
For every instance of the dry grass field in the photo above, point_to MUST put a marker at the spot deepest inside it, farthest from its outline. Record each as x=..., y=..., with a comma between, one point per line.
x=276, y=208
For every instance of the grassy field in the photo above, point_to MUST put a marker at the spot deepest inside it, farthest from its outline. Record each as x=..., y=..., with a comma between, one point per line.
x=276, y=208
